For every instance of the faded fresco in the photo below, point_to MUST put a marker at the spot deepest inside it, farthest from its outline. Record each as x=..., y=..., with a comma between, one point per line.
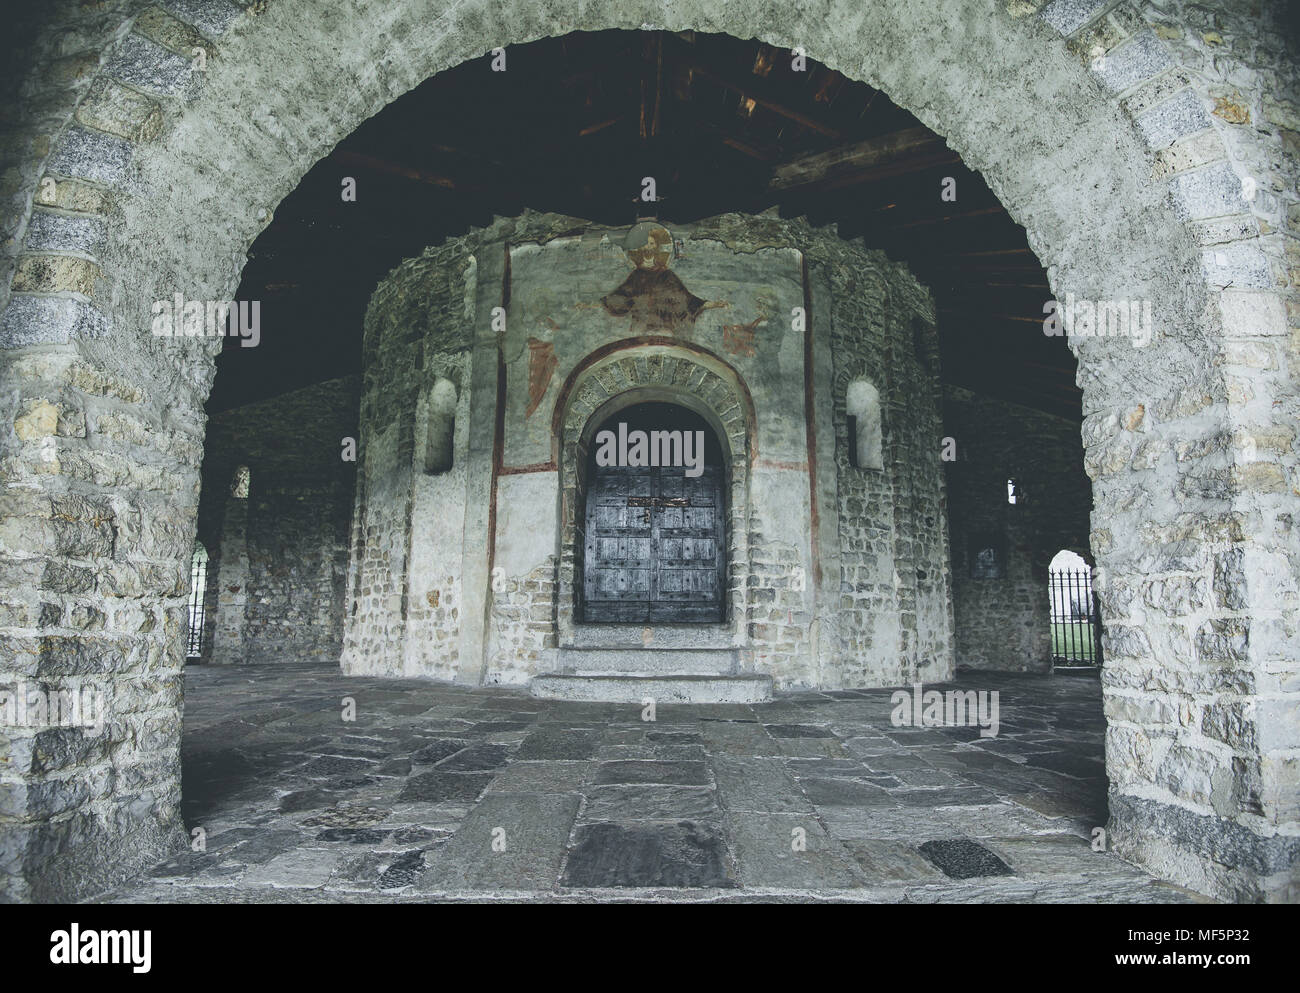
x=571, y=296
x=652, y=294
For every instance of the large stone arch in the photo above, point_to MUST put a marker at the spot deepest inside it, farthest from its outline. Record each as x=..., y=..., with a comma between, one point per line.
x=164, y=189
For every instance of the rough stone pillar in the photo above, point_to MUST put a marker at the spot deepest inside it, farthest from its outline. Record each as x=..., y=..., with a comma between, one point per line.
x=1192, y=527
x=98, y=486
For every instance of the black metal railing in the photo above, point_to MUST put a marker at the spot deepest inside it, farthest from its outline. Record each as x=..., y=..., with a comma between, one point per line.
x=1075, y=619
x=198, y=587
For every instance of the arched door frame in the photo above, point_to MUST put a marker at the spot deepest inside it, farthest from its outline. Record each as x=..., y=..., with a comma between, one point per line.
x=638, y=371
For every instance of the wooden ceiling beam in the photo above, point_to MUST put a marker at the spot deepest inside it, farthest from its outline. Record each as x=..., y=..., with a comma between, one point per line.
x=762, y=96
x=812, y=170
x=939, y=156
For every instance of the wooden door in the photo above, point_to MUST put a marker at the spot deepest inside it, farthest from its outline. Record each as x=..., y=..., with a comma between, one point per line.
x=655, y=546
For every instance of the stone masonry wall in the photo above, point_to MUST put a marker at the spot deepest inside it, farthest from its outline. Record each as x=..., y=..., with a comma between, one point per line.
x=278, y=558
x=404, y=597
x=410, y=556
x=893, y=535
x=523, y=625
x=1004, y=623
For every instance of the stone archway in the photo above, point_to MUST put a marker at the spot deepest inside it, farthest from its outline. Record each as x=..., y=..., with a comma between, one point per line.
x=167, y=191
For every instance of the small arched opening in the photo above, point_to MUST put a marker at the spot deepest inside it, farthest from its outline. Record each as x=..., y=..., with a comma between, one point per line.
x=1073, y=614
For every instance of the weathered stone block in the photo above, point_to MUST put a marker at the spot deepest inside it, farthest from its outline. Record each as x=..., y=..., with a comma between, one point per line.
x=56, y=274
x=92, y=155
x=148, y=66
x=120, y=111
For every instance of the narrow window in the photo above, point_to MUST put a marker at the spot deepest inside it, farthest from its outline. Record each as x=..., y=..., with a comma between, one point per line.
x=863, y=408
x=240, y=483
x=440, y=430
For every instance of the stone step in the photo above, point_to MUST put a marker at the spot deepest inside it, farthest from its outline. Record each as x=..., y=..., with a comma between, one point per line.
x=646, y=661
x=748, y=688
x=652, y=636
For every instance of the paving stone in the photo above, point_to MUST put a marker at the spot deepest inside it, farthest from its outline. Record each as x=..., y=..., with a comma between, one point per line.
x=961, y=796
x=515, y=704
x=866, y=748
x=330, y=767
x=926, y=777
x=1067, y=764
x=643, y=854
x=889, y=861
x=542, y=777
x=1011, y=746
x=186, y=864
x=301, y=868
x=674, y=738
x=1003, y=820
x=767, y=856
x=509, y=841
x=404, y=870
x=646, y=750
x=348, y=814
x=414, y=836
x=911, y=737
x=668, y=773
x=399, y=768
x=557, y=743
x=476, y=758
x=1054, y=855
x=437, y=750
x=735, y=738
x=436, y=787
x=963, y=759
x=654, y=802
x=1048, y=804
x=960, y=858
x=353, y=836
x=832, y=768
x=758, y=784
x=845, y=793
x=884, y=824
x=216, y=841
x=265, y=846
x=797, y=731
x=306, y=800
x=347, y=751
x=811, y=747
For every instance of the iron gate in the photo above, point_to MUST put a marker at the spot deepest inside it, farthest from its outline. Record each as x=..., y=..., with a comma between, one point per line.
x=1075, y=619
x=198, y=587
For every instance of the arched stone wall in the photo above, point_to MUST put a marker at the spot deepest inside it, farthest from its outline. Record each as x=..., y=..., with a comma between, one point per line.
x=161, y=176
x=658, y=369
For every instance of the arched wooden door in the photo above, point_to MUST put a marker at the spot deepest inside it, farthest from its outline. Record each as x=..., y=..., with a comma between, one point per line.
x=655, y=541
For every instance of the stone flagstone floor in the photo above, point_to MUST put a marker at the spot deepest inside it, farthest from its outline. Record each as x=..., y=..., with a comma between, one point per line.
x=439, y=792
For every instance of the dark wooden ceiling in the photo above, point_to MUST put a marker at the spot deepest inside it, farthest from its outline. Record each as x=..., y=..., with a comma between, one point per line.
x=573, y=125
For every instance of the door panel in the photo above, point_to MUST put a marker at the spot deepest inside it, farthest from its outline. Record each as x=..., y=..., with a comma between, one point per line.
x=654, y=546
